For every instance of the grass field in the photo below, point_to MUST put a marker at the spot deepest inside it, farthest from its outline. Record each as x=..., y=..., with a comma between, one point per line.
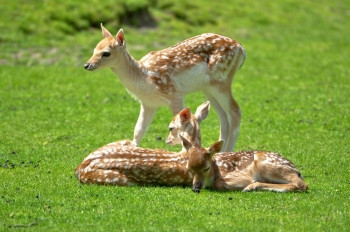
x=293, y=89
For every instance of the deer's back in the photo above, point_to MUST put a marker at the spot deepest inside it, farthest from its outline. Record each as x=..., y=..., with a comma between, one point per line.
x=137, y=165
x=243, y=160
x=211, y=52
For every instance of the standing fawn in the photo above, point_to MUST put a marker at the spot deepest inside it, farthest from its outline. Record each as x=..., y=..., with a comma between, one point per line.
x=206, y=63
x=244, y=170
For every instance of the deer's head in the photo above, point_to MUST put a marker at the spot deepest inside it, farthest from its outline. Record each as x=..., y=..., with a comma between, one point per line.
x=187, y=125
x=107, y=50
x=200, y=162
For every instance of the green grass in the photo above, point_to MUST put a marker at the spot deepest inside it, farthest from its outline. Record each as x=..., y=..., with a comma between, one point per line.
x=293, y=90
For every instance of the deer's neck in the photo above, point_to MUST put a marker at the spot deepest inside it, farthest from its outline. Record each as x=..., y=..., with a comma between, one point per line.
x=192, y=133
x=129, y=71
x=211, y=176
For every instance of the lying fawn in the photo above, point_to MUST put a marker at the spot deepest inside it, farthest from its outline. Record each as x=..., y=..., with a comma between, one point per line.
x=121, y=163
x=187, y=124
x=244, y=170
x=204, y=63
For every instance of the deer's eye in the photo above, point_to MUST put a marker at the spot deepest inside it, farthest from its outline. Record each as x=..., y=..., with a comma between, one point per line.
x=171, y=128
x=106, y=54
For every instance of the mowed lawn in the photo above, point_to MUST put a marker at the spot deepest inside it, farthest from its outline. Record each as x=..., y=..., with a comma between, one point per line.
x=293, y=90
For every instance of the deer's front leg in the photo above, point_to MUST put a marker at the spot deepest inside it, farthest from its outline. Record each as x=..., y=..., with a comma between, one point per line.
x=232, y=183
x=145, y=118
x=220, y=184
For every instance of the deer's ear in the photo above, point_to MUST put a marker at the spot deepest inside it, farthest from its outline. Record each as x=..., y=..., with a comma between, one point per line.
x=105, y=32
x=185, y=115
x=202, y=111
x=216, y=147
x=120, y=38
x=187, y=144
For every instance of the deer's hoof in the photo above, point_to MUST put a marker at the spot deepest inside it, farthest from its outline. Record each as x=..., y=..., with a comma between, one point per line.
x=134, y=143
x=250, y=188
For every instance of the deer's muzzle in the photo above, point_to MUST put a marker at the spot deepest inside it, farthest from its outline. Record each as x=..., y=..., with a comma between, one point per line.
x=169, y=141
x=197, y=187
x=89, y=66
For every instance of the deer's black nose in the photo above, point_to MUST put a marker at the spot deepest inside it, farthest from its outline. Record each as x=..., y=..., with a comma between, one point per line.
x=86, y=66
x=197, y=187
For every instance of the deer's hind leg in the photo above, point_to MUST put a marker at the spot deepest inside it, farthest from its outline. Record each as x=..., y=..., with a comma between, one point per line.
x=224, y=125
x=229, y=109
x=292, y=187
x=279, y=180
